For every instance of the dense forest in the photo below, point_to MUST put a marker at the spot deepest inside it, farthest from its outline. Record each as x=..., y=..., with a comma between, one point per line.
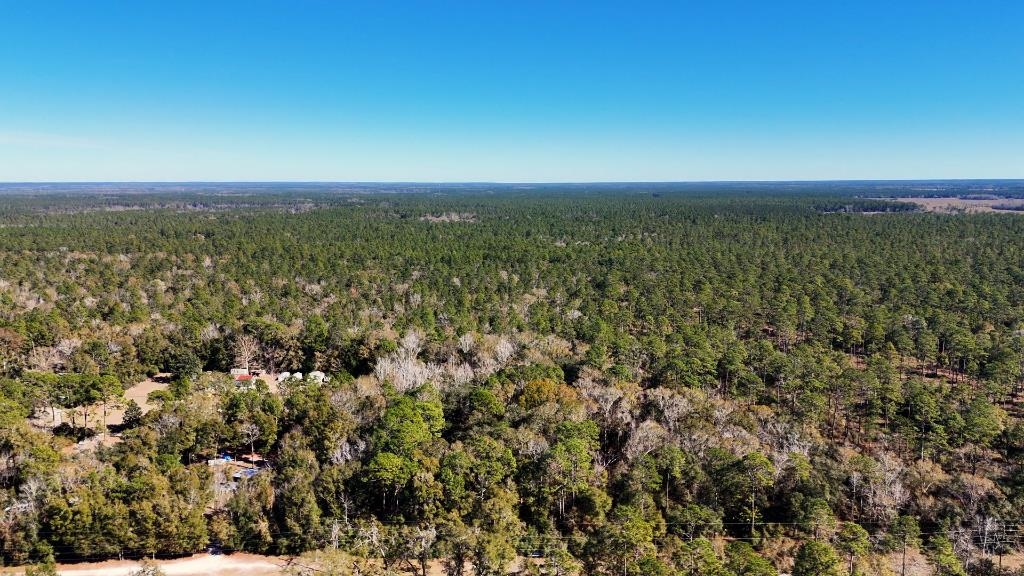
x=724, y=380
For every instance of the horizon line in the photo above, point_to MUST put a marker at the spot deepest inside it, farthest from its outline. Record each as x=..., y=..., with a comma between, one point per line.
x=511, y=182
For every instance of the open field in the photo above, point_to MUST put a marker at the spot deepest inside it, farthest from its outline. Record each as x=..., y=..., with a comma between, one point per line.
x=953, y=204
x=140, y=394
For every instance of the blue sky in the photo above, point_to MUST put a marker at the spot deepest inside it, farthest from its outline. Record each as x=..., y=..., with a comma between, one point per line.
x=510, y=91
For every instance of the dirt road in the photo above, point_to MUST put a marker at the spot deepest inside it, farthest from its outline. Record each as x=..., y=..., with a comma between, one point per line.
x=198, y=565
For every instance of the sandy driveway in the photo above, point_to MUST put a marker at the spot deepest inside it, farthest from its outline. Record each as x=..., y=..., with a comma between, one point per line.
x=221, y=565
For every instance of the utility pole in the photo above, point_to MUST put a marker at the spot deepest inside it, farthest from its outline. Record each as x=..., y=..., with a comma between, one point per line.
x=752, y=509
x=903, y=572
x=999, y=552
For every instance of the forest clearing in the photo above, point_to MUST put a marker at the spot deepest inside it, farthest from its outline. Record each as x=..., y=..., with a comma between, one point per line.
x=966, y=204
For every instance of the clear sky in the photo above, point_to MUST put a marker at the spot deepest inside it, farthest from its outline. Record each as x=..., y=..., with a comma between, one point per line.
x=510, y=91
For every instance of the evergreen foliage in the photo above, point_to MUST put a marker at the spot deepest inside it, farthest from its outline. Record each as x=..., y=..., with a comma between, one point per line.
x=606, y=381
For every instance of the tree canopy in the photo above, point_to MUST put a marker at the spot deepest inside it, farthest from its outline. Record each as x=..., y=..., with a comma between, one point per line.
x=605, y=380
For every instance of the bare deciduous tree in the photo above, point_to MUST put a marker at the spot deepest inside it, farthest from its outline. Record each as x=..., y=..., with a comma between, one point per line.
x=467, y=343
x=246, y=348
x=504, y=351
x=647, y=437
x=250, y=432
